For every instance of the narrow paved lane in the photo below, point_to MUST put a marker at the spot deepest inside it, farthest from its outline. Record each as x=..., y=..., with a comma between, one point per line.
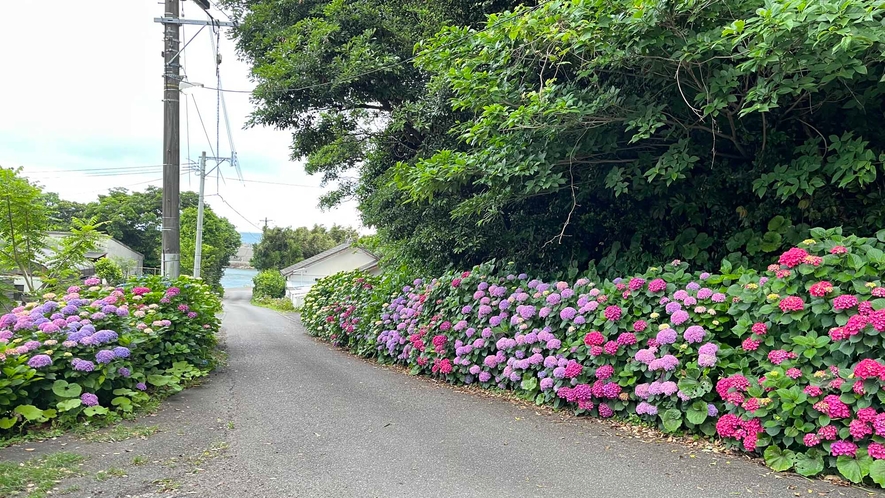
x=312, y=421
x=291, y=417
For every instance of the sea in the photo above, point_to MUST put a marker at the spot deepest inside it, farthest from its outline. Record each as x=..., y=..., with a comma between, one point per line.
x=238, y=277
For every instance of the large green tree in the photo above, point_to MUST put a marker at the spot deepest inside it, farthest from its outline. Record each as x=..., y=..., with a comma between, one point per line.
x=636, y=131
x=339, y=75
x=26, y=250
x=135, y=218
x=220, y=242
x=282, y=247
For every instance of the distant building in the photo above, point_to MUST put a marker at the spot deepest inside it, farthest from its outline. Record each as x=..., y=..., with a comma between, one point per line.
x=243, y=257
x=345, y=257
x=130, y=261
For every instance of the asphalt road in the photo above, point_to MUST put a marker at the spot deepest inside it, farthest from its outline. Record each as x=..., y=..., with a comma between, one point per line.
x=290, y=416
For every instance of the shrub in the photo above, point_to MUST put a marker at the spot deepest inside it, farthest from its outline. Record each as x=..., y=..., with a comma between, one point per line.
x=109, y=271
x=269, y=283
x=100, y=351
x=786, y=362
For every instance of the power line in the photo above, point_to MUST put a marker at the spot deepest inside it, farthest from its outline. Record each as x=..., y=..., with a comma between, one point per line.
x=205, y=131
x=388, y=66
x=234, y=210
x=107, y=168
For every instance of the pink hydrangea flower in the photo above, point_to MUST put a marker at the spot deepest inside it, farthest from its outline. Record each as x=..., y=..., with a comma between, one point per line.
x=791, y=303
x=844, y=302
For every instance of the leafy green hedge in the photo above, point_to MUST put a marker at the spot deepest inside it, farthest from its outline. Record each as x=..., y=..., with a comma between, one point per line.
x=786, y=362
x=102, y=351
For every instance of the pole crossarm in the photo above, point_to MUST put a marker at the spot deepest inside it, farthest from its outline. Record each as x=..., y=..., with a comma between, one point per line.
x=195, y=22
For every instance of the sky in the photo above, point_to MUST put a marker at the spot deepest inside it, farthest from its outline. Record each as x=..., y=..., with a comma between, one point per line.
x=84, y=91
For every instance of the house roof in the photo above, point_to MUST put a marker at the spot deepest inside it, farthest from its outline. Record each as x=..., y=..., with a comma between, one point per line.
x=289, y=270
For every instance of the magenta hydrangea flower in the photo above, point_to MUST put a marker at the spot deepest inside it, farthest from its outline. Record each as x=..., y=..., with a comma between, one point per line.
x=657, y=285
x=605, y=372
x=612, y=313
x=844, y=302
x=840, y=448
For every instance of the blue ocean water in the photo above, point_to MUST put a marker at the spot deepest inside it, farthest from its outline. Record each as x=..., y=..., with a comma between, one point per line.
x=237, y=277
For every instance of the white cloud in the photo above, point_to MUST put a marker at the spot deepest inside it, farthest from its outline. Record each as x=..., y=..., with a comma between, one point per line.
x=84, y=91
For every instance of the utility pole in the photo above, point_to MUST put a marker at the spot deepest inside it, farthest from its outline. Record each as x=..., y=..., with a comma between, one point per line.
x=265, y=220
x=171, y=143
x=198, y=249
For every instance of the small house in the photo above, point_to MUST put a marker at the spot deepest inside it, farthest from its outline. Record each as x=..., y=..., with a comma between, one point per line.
x=345, y=257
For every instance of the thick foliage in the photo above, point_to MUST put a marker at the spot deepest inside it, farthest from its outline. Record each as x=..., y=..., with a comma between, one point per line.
x=269, y=283
x=282, y=247
x=221, y=240
x=101, y=351
x=786, y=362
x=632, y=131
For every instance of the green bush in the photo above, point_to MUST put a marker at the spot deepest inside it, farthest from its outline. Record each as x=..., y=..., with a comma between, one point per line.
x=269, y=283
x=786, y=362
x=109, y=271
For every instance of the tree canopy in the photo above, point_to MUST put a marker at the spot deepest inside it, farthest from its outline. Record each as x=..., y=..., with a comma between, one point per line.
x=220, y=242
x=282, y=247
x=575, y=131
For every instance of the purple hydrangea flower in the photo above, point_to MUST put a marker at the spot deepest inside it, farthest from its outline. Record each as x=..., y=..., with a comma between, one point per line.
x=123, y=371
x=673, y=307
x=708, y=348
x=105, y=356
x=568, y=313
x=141, y=386
x=546, y=383
x=89, y=399
x=40, y=361
x=121, y=352
x=484, y=376
x=712, y=411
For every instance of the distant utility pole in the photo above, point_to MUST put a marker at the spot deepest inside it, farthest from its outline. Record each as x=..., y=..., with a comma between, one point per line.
x=265, y=220
x=198, y=249
x=171, y=143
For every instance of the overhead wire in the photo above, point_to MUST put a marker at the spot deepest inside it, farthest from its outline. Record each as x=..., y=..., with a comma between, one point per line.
x=234, y=210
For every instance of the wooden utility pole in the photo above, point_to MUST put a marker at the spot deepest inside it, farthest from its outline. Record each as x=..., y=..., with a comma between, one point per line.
x=171, y=143
x=265, y=220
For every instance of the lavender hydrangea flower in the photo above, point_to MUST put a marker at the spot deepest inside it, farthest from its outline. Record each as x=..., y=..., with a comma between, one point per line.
x=706, y=360
x=105, y=356
x=82, y=365
x=712, y=411
x=121, y=352
x=673, y=307
x=123, y=371
x=679, y=317
x=666, y=336
x=40, y=361
x=708, y=348
x=694, y=334
x=89, y=399
x=568, y=313
x=546, y=383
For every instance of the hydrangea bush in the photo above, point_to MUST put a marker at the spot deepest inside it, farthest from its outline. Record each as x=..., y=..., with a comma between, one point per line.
x=97, y=351
x=785, y=362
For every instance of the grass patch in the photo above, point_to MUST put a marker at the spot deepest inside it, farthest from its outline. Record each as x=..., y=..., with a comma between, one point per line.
x=279, y=304
x=104, y=475
x=30, y=436
x=167, y=485
x=139, y=460
x=35, y=477
x=120, y=432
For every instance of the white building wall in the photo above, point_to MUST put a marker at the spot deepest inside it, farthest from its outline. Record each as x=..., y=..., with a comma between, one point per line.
x=348, y=260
